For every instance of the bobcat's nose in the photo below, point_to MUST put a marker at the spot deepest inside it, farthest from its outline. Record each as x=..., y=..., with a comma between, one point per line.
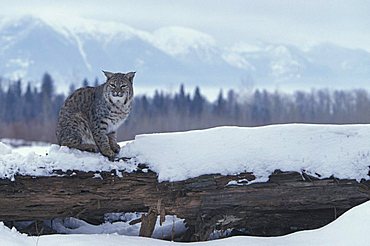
x=117, y=94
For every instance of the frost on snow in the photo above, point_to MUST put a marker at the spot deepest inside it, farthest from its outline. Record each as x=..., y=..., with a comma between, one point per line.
x=342, y=151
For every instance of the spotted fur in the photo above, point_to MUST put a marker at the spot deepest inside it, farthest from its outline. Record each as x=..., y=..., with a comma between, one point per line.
x=90, y=117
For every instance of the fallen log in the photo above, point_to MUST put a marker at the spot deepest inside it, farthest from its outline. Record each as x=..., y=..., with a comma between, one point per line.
x=288, y=202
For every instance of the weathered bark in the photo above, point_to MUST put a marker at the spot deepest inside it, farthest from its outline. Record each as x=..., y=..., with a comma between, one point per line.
x=288, y=202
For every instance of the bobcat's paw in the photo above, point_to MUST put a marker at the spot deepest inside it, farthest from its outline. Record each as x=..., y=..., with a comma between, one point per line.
x=116, y=148
x=109, y=153
x=93, y=148
x=88, y=147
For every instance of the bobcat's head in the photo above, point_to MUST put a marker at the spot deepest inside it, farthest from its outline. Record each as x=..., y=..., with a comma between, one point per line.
x=119, y=86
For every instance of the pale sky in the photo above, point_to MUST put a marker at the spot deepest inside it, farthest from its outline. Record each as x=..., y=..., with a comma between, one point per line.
x=298, y=22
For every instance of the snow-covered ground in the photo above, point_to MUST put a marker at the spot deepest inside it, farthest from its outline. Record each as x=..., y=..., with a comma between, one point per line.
x=352, y=228
x=319, y=150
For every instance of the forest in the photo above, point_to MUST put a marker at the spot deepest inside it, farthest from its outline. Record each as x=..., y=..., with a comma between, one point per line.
x=31, y=113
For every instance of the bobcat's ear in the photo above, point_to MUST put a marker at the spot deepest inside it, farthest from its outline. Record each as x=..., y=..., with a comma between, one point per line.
x=108, y=74
x=130, y=76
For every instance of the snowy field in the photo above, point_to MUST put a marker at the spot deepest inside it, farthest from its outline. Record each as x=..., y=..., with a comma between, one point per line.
x=342, y=151
x=352, y=228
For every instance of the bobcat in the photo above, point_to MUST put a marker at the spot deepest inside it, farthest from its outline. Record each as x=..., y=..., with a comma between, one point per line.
x=90, y=117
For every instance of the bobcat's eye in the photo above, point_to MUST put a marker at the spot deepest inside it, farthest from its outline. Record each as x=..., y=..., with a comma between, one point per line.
x=112, y=85
x=123, y=86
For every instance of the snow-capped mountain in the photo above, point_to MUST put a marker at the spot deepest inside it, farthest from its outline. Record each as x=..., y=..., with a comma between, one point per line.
x=73, y=49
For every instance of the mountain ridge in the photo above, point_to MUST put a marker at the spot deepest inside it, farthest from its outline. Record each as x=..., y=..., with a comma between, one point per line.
x=81, y=48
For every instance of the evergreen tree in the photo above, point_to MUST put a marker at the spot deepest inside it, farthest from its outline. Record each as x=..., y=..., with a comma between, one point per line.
x=220, y=104
x=47, y=85
x=29, y=104
x=260, y=110
x=145, y=104
x=85, y=83
x=72, y=88
x=197, y=104
x=10, y=104
x=181, y=101
x=18, y=89
x=232, y=106
x=47, y=92
x=57, y=104
x=96, y=82
x=158, y=102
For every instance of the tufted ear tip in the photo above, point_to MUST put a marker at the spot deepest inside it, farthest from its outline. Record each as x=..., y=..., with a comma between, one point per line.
x=107, y=74
x=130, y=75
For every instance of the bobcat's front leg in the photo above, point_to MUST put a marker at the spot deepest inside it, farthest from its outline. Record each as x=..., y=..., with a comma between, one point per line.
x=113, y=142
x=102, y=141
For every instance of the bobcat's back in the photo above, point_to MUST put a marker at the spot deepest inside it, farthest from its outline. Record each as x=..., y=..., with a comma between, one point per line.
x=74, y=118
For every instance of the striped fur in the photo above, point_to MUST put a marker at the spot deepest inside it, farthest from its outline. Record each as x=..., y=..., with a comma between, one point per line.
x=90, y=117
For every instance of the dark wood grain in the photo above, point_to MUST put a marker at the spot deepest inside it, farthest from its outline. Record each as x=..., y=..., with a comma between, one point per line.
x=288, y=202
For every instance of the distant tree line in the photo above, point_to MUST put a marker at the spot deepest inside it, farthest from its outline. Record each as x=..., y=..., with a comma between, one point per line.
x=31, y=113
